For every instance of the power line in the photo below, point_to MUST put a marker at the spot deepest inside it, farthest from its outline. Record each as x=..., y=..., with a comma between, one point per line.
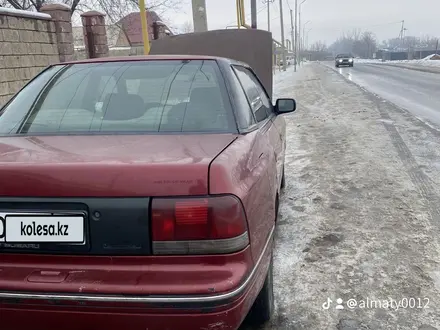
x=282, y=34
x=268, y=3
x=276, y=7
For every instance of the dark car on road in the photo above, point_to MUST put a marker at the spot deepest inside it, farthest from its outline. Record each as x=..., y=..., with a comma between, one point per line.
x=140, y=193
x=344, y=60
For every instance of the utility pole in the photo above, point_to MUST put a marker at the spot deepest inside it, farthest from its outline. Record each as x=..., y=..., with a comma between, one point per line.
x=292, y=37
x=145, y=36
x=296, y=33
x=282, y=35
x=299, y=31
x=200, y=19
x=268, y=15
x=299, y=35
x=303, y=43
x=254, y=14
x=268, y=2
x=402, y=33
x=304, y=38
x=307, y=39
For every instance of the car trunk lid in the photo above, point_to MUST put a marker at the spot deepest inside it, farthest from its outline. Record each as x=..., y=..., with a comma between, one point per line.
x=108, y=166
x=97, y=187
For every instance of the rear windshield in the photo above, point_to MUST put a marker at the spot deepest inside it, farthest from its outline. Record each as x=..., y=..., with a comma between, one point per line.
x=148, y=96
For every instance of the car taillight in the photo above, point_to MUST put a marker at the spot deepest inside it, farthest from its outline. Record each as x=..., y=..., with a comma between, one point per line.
x=209, y=225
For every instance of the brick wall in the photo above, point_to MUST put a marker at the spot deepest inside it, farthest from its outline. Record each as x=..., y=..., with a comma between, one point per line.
x=27, y=45
x=29, y=42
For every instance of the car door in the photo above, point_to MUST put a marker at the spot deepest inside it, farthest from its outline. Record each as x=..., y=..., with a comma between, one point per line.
x=264, y=111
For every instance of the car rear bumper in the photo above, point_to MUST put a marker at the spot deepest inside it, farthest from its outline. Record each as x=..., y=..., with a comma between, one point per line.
x=68, y=318
x=344, y=63
x=34, y=310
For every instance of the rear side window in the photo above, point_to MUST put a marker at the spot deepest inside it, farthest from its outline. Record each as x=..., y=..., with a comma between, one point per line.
x=253, y=92
x=22, y=102
x=245, y=114
x=138, y=96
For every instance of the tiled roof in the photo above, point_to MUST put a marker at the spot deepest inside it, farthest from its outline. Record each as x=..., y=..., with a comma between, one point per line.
x=132, y=26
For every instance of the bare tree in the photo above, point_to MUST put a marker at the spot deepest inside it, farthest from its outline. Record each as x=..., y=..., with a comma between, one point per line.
x=186, y=27
x=410, y=41
x=356, y=42
x=318, y=46
x=369, y=44
x=354, y=34
x=115, y=9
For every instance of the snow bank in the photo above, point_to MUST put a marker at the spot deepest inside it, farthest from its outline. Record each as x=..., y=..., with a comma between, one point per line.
x=423, y=62
x=431, y=60
x=24, y=13
x=362, y=60
x=432, y=57
x=427, y=61
x=428, y=57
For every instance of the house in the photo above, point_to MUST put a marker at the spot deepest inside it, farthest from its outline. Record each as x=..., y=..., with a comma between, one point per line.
x=127, y=32
x=131, y=28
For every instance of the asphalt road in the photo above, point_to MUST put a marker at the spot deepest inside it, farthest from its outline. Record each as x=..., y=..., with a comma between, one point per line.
x=415, y=91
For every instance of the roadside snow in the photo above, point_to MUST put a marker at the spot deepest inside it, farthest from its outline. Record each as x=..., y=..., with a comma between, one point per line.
x=362, y=60
x=24, y=13
x=427, y=62
x=424, y=62
x=429, y=57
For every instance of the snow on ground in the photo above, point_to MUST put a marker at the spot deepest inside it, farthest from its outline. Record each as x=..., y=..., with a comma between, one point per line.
x=359, y=216
x=363, y=60
x=425, y=62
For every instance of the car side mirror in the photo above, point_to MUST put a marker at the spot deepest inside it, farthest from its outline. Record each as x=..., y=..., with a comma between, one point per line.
x=283, y=106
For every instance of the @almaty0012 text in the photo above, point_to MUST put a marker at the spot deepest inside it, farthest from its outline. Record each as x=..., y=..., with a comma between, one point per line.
x=369, y=303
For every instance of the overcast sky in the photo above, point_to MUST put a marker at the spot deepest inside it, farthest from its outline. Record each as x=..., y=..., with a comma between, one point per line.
x=329, y=18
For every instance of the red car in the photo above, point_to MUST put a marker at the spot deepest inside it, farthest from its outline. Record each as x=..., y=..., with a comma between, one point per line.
x=139, y=193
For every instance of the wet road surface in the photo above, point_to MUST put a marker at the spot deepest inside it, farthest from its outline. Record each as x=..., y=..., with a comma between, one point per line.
x=415, y=91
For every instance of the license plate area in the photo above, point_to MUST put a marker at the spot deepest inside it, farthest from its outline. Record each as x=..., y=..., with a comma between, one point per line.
x=42, y=228
x=34, y=210
x=112, y=226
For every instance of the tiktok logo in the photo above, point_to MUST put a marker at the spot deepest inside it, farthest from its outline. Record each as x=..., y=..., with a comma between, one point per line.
x=327, y=304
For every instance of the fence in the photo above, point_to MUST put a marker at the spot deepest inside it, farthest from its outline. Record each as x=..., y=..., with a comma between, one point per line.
x=29, y=42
